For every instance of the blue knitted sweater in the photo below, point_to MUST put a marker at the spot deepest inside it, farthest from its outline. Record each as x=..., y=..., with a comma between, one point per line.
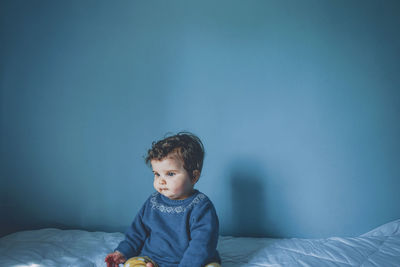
x=174, y=233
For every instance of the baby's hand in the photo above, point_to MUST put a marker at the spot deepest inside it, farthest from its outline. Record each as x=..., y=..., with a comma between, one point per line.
x=114, y=259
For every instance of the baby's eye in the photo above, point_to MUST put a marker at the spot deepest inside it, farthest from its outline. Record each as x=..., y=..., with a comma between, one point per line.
x=170, y=173
x=156, y=174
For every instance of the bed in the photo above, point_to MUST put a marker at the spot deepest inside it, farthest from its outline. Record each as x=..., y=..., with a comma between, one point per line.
x=55, y=247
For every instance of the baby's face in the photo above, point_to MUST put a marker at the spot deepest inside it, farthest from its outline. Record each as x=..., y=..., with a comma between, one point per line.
x=171, y=179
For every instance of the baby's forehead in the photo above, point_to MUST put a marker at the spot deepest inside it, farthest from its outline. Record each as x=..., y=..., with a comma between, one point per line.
x=172, y=159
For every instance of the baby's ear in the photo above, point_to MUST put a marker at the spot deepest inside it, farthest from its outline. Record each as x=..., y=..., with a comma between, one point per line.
x=196, y=176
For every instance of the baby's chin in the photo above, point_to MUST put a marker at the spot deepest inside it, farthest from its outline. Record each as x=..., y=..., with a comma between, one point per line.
x=166, y=193
x=162, y=191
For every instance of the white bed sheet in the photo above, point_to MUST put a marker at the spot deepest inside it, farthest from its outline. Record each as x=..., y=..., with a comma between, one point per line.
x=54, y=247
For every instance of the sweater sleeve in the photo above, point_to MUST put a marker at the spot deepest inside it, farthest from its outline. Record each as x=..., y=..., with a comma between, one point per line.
x=135, y=236
x=204, y=231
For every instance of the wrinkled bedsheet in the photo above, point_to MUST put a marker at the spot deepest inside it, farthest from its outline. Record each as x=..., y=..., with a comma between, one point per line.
x=54, y=247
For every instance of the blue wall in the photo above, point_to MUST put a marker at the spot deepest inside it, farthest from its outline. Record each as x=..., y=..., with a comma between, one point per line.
x=297, y=103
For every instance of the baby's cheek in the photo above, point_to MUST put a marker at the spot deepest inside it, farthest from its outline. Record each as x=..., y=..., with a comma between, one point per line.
x=177, y=189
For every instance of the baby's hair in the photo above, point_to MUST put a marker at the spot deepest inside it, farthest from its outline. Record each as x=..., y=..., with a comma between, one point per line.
x=185, y=144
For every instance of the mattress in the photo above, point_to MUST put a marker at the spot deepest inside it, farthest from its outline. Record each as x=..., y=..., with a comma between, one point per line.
x=55, y=247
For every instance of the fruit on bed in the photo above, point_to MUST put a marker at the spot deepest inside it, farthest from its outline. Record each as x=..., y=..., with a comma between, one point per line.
x=137, y=262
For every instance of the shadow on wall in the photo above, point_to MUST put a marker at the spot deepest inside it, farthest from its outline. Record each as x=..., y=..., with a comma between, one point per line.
x=248, y=198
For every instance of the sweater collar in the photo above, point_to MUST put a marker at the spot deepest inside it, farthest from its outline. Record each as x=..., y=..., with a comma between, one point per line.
x=181, y=201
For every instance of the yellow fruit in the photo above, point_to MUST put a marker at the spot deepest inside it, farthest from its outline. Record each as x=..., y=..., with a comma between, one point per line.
x=135, y=262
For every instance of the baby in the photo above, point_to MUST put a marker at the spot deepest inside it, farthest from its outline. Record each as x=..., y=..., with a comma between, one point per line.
x=177, y=225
